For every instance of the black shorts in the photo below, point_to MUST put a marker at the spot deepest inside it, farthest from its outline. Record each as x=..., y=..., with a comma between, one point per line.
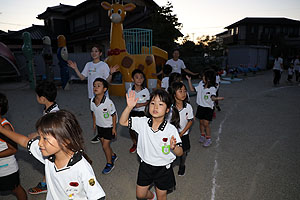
x=205, y=113
x=9, y=182
x=186, y=143
x=105, y=133
x=162, y=177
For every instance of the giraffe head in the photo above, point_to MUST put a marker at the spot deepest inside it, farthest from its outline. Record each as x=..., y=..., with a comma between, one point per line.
x=117, y=11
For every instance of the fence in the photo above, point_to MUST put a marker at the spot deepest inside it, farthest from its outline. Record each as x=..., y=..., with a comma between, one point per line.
x=136, y=38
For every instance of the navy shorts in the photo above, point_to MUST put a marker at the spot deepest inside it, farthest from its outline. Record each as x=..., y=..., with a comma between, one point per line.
x=161, y=176
x=9, y=182
x=105, y=133
x=205, y=113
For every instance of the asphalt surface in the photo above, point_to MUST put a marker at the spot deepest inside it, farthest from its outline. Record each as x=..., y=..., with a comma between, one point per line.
x=255, y=152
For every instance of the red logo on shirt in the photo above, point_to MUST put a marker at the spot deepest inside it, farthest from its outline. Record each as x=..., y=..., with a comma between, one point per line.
x=74, y=184
x=165, y=139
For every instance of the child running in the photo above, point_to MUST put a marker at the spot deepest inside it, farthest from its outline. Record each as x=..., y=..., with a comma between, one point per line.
x=105, y=119
x=158, y=144
x=143, y=95
x=180, y=100
x=46, y=92
x=206, y=95
x=9, y=169
x=69, y=174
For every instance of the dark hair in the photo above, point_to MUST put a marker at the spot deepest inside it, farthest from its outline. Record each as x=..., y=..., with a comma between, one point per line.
x=64, y=127
x=103, y=81
x=3, y=104
x=175, y=50
x=174, y=77
x=137, y=71
x=176, y=86
x=46, y=89
x=167, y=69
x=210, y=78
x=98, y=47
x=165, y=97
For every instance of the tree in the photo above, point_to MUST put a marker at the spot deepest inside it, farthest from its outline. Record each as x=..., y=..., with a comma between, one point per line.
x=165, y=26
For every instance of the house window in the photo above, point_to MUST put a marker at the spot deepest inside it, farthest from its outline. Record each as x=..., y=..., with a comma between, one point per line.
x=79, y=23
x=231, y=31
x=237, y=30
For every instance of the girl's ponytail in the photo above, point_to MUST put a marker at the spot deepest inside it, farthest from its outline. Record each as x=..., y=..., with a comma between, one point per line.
x=175, y=120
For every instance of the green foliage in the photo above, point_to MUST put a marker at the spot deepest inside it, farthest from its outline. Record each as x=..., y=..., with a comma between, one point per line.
x=165, y=26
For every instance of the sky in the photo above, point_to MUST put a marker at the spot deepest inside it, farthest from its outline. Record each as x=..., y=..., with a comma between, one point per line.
x=199, y=17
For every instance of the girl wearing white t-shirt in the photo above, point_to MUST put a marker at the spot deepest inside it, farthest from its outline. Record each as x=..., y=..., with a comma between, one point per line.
x=206, y=95
x=180, y=101
x=94, y=69
x=69, y=174
x=158, y=143
x=277, y=69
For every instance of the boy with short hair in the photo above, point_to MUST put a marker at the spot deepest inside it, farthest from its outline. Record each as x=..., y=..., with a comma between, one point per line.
x=46, y=93
x=165, y=81
x=143, y=95
x=105, y=120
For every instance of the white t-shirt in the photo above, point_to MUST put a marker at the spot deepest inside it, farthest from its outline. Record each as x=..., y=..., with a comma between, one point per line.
x=277, y=63
x=297, y=65
x=53, y=108
x=104, y=112
x=153, y=147
x=185, y=115
x=8, y=165
x=165, y=83
x=76, y=181
x=204, y=95
x=93, y=71
x=176, y=65
x=218, y=80
x=291, y=71
x=143, y=96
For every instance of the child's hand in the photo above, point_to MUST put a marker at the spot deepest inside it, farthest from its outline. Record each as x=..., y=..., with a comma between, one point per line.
x=114, y=69
x=188, y=78
x=72, y=64
x=173, y=143
x=131, y=100
x=114, y=132
x=220, y=98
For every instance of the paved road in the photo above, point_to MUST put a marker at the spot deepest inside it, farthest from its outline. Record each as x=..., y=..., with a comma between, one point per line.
x=254, y=156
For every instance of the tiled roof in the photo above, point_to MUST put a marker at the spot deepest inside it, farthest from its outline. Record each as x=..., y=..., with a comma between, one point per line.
x=265, y=20
x=37, y=33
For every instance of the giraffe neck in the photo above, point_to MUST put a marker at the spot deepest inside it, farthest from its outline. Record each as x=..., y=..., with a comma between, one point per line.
x=116, y=37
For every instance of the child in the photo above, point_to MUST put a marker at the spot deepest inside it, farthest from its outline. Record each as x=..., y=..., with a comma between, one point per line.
x=45, y=94
x=142, y=93
x=291, y=72
x=159, y=143
x=9, y=170
x=174, y=77
x=105, y=119
x=69, y=175
x=165, y=81
x=186, y=116
x=206, y=95
x=93, y=70
x=218, y=81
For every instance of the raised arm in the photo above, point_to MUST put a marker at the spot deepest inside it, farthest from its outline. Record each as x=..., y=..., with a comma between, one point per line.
x=214, y=98
x=112, y=70
x=131, y=102
x=190, y=83
x=73, y=65
x=16, y=137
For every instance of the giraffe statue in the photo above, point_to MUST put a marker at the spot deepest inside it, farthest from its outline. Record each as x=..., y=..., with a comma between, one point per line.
x=118, y=55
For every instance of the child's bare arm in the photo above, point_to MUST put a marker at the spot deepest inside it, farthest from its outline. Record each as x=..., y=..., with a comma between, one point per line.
x=190, y=83
x=214, y=98
x=94, y=122
x=175, y=148
x=131, y=102
x=16, y=137
x=187, y=127
x=114, y=129
x=11, y=150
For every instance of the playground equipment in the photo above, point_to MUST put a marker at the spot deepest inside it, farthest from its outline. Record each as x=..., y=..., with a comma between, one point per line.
x=48, y=58
x=27, y=51
x=62, y=56
x=8, y=64
x=118, y=54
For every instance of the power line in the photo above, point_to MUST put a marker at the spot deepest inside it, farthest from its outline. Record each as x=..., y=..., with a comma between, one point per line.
x=14, y=24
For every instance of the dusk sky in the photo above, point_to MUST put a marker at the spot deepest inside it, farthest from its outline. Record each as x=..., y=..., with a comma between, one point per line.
x=198, y=17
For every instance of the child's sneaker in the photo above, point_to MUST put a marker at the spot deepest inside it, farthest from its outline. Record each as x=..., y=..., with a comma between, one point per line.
x=133, y=148
x=39, y=189
x=114, y=158
x=207, y=143
x=218, y=108
x=95, y=140
x=202, y=139
x=154, y=196
x=181, y=171
x=108, y=168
